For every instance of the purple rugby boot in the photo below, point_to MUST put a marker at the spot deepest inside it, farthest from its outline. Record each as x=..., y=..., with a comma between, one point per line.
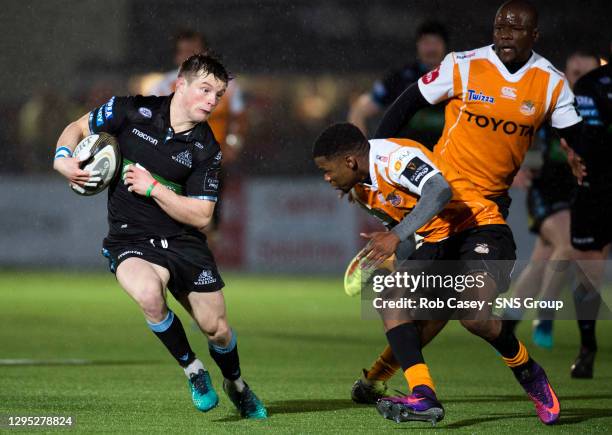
x=421, y=405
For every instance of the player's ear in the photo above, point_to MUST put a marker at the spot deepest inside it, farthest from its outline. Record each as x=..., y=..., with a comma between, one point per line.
x=351, y=162
x=536, y=35
x=181, y=83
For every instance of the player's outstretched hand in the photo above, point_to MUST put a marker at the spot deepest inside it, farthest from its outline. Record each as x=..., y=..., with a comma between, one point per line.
x=138, y=179
x=575, y=162
x=381, y=246
x=70, y=169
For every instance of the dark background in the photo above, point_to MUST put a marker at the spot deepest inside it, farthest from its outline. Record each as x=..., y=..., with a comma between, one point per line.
x=282, y=52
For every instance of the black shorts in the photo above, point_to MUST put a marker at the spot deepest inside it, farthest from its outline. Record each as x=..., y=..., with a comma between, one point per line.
x=488, y=248
x=591, y=208
x=550, y=192
x=191, y=264
x=503, y=203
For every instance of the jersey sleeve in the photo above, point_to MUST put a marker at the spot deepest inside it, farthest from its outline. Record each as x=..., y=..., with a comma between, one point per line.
x=410, y=168
x=588, y=103
x=564, y=112
x=109, y=116
x=203, y=183
x=437, y=84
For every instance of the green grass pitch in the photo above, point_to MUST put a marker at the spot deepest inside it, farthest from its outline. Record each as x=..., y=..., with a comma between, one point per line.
x=302, y=344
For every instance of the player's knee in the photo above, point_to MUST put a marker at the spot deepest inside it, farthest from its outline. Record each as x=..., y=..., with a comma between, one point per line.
x=563, y=253
x=481, y=328
x=218, y=332
x=152, y=304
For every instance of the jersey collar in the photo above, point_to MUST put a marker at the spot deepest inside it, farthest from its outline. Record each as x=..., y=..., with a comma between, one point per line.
x=198, y=132
x=492, y=56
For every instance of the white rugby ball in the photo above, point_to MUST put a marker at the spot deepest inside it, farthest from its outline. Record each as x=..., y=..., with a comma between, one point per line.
x=98, y=152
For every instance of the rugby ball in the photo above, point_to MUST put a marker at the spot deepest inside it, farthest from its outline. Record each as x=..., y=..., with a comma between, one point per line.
x=98, y=152
x=356, y=277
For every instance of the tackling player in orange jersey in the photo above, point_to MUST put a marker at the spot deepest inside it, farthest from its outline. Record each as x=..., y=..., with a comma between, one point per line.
x=497, y=96
x=434, y=201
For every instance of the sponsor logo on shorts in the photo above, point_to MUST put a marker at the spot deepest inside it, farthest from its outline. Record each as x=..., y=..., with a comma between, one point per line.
x=219, y=156
x=205, y=278
x=145, y=136
x=108, y=109
x=479, y=96
x=212, y=184
x=508, y=92
x=184, y=158
x=582, y=240
x=481, y=248
x=198, y=145
x=431, y=75
x=145, y=112
x=527, y=108
x=124, y=253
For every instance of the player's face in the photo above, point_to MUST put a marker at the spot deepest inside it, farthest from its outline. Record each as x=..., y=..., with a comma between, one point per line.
x=577, y=66
x=514, y=34
x=338, y=172
x=431, y=50
x=201, y=95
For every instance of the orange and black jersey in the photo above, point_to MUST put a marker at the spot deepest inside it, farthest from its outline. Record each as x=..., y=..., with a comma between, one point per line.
x=186, y=162
x=491, y=114
x=398, y=170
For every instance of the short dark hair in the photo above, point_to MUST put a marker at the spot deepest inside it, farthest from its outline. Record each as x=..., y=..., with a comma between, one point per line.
x=338, y=139
x=432, y=28
x=204, y=64
x=189, y=35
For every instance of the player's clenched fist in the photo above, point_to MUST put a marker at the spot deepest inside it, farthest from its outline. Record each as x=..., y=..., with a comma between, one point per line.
x=138, y=179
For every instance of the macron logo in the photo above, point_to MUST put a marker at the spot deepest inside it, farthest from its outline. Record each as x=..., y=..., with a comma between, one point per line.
x=144, y=136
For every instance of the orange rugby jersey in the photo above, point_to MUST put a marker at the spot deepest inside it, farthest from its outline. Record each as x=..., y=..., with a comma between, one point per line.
x=400, y=167
x=375, y=204
x=492, y=115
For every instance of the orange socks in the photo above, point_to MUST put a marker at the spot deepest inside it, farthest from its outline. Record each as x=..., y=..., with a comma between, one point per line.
x=384, y=367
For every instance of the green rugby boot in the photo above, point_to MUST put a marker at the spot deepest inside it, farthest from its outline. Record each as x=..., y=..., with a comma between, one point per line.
x=203, y=394
x=246, y=402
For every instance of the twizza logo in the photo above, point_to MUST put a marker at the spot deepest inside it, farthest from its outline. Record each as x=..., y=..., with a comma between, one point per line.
x=431, y=75
x=508, y=127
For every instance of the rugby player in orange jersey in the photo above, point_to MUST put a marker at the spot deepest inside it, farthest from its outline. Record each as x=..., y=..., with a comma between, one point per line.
x=457, y=223
x=497, y=96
